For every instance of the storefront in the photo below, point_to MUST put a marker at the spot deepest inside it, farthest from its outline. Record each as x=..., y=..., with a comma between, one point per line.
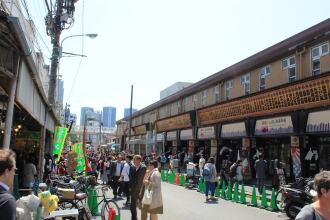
x=187, y=140
x=206, y=141
x=171, y=142
x=160, y=142
x=316, y=153
x=275, y=140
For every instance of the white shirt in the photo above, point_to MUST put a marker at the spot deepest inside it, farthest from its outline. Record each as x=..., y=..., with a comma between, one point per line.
x=118, y=169
x=201, y=163
x=125, y=172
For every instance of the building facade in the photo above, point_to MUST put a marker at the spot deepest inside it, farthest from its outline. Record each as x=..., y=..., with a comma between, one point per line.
x=127, y=111
x=109, y=117
x=83, y=112
x=275, y=103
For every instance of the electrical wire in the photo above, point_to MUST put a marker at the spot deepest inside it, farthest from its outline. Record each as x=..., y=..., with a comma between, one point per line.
x=82, y=51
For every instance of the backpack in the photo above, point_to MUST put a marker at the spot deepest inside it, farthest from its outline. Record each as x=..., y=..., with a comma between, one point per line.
x=232, y=170
x=206, y=172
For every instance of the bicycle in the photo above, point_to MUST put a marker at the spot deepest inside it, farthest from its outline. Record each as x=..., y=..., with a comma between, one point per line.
x=77, y=203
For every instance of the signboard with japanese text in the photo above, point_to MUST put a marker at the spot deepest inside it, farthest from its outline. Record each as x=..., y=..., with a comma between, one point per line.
x=181, y=121
x=279, y=125
x=206, y=133
x=308, y=94
x=59, y=138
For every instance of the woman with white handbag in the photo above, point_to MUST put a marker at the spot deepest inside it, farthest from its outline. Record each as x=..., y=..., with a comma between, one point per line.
x=152, y=201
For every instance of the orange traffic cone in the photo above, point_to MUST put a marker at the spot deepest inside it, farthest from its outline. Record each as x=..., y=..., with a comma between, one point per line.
x=177, y=179
x=112, y=214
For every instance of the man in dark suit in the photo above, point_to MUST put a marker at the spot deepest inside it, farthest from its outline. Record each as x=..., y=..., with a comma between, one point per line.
x=7, y=172
x=137, y=172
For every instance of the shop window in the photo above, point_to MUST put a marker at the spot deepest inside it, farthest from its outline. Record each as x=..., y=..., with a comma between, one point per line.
x=194, y=101
x=216, y=94
x=289, y=64
x=316, y=53
x=265, y=71
x=203, y=97
x=229, y=86
x=245, y=81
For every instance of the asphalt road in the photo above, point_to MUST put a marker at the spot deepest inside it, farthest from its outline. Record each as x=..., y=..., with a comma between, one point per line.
x=185, y=204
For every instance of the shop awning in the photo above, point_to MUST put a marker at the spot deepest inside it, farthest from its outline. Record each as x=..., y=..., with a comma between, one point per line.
x=318, y=122
x=171, y=136
x=186, y=134
x=206, y=133
x=233, y=130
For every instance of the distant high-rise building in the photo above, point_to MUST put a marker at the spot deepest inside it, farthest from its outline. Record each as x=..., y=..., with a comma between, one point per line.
x=127, y=111
x=84, y=111
x=109, y=117
x=176, y=87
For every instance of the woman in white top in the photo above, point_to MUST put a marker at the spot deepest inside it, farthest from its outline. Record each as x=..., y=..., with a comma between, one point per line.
x=152, y=181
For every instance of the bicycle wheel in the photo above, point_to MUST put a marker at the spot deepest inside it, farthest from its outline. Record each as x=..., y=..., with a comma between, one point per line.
x=107, y=205
x=280, y=199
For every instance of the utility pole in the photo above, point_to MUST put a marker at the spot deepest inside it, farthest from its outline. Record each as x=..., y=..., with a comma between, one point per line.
x=55, y=23
x=130, y=116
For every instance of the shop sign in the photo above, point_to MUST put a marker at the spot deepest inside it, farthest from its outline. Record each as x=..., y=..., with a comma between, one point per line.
x=279, y=125
x=294, y=141
x=181, y=121
x=206, y=133
x=245, y=143
x=28, y=135
x=309, y=94
x=233, y=130
x=59, y=138
x=296, y=163
x=171, y=136
x=160, y=137
x=140, y=130
x=318, y=121
x=186, y=134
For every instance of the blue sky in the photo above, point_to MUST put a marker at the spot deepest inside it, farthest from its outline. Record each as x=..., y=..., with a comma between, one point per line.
x=153, y=44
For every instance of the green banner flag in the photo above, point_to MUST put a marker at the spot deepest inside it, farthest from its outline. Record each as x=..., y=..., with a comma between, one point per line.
x=59, y=138
x=80, y=157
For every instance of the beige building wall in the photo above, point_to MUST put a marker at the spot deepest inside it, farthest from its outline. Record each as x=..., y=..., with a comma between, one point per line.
x=238, y=89
x=325, y=63
x=277, y=75
x=254, y=81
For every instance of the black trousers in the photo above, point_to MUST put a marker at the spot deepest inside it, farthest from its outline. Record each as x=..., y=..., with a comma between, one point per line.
x=116, y=186
x=134, y=199
x=126, y=191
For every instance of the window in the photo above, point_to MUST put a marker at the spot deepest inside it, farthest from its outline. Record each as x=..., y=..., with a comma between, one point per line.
x=245, y=81
x=178, y=105
x=194, y=100
x=216, y=94
x=265, y=71
x=203, y=97
x=229, y=86
x=290, y=64
x=185, y=104
x=316, y=53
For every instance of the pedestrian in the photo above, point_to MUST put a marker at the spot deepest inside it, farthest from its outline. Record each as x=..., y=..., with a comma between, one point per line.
x=239, y=172
x=116, y=183
x=29, y=173
x=175, y=164
x=103, y=171
x=320, y=209
x=152, y=182
x=137, y=172
x=260, y=167
x=209, y=175
x=124, y=178
x=201, y=164
x=233, y=171
x=7, y=172
x=162, y=161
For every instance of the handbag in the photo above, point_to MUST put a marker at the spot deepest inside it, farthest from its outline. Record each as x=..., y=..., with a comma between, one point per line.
x=147, y=197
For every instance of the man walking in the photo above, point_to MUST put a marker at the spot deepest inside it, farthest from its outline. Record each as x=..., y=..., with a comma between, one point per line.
x=7, y=172
x=116, y=182
x=137, y=172
x=260, y=166
x=125, y=178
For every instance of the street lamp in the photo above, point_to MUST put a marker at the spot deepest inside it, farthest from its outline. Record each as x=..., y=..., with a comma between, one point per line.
x=92, y=36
